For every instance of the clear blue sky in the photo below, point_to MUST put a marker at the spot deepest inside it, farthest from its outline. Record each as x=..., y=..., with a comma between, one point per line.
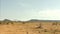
x=30, y=9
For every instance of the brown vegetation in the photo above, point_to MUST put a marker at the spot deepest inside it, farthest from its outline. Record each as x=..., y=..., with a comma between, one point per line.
x=29, y=27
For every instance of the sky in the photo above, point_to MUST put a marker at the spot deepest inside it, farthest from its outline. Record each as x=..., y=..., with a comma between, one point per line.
x=30, y=9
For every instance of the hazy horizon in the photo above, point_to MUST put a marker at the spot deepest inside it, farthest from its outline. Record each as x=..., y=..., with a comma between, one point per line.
x=30, y=9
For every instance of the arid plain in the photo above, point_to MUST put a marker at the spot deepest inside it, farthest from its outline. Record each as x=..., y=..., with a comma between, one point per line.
x=29, y=27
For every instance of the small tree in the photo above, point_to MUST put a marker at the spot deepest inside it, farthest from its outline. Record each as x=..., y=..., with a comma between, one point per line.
x=23, y=22
x=11, y=22
x=54, y=23
x=7, y=23
x=0, y=22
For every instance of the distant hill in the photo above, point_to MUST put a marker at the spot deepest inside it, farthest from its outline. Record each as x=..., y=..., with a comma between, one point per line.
x=45, y=20
x=34, y=20
x=6, y=20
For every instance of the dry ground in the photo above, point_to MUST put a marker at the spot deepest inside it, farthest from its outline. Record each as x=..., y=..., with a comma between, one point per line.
x=31, y=28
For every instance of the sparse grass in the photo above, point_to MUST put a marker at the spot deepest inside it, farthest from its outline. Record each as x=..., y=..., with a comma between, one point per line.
x=29, y=28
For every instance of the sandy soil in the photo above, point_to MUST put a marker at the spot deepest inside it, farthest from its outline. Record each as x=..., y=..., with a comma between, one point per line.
x=31, y=28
